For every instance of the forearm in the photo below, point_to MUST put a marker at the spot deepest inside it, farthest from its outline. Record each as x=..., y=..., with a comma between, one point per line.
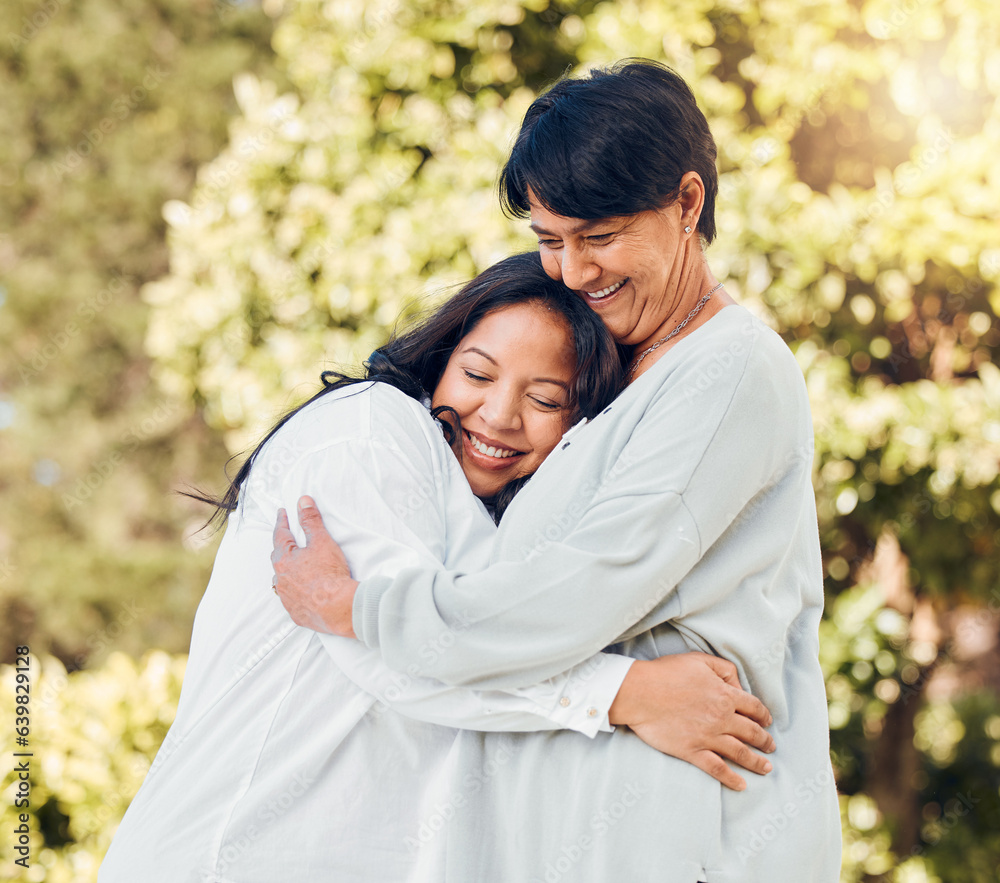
x=578, y=699
x=521, y=622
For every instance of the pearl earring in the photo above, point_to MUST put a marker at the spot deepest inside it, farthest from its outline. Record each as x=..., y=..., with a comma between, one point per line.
x=687, y=229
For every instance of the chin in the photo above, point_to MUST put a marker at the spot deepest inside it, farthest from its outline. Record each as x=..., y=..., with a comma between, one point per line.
x=491, y=487
x=486, y=493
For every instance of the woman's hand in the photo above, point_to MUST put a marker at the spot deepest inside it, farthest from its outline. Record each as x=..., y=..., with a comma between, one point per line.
x=692, y=707
x=313, y=581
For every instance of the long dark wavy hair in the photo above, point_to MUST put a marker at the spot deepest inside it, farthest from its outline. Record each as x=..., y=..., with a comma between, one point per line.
x=414, y=360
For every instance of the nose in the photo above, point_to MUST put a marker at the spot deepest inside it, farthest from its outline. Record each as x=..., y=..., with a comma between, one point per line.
x=501, y=409
x=578, y=269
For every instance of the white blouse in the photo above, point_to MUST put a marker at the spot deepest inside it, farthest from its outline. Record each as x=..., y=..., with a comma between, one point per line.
x=300, y=756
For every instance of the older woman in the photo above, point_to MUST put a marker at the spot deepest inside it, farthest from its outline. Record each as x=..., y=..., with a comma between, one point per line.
x=680, y=518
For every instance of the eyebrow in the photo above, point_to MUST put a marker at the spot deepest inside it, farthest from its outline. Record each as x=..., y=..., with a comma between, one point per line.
x=488, y=357
x=583, y=226
x=576, y=228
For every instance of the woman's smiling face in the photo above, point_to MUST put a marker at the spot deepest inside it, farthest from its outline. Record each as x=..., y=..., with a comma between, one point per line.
x=509, y=380
x=626, y=269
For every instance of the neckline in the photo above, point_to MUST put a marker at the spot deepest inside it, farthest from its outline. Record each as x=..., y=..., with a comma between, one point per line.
x=680, y=343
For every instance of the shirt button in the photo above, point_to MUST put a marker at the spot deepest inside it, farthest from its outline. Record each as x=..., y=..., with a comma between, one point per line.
x=591, y=712
x=564, y=701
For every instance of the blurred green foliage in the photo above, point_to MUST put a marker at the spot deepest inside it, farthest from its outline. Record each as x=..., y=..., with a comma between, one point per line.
x=857, y=214
x=94, y=735
x=109, y=108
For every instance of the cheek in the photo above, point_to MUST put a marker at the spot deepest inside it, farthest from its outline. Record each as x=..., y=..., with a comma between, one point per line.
x=437, y=397
x=551, y=265
x=546, y=435
x=440, y=392
x=463, y=400
x=448, y=392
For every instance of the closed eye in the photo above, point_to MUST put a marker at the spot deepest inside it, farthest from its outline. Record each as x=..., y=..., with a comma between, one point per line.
x=472, y=376
x=548, y=406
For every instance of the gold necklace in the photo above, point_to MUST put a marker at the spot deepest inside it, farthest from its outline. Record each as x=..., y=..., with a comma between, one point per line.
x=676, y=331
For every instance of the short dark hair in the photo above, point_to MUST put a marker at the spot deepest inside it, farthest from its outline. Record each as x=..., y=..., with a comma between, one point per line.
x=615, y=142
x=414, y=360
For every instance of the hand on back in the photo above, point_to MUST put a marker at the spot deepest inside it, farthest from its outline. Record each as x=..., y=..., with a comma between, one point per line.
x=692, y=707
x=313, y=581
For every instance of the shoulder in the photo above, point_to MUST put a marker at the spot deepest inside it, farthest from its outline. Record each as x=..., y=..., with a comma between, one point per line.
x=731, y=359
x=365, y=411
x=768, y=408
x=364, y=428
x=394, y=412
x=771, y=376
x=767, y=351
x=362, y=416
x=741, y=340
x=735, y=385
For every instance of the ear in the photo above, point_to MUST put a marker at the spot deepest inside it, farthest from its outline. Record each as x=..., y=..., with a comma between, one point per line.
x=692, y=199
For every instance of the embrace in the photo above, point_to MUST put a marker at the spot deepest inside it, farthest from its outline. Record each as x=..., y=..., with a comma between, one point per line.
x=555, y=569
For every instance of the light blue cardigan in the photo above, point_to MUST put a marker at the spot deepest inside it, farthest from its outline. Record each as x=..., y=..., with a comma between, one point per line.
x=682, y=518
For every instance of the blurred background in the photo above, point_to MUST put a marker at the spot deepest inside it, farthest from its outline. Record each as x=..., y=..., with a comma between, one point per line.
x=204, y=203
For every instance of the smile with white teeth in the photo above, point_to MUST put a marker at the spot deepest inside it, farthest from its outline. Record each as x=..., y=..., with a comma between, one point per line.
x=497, y=453
x=604, y=292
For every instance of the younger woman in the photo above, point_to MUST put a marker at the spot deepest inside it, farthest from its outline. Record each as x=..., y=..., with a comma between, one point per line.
x=299, y=756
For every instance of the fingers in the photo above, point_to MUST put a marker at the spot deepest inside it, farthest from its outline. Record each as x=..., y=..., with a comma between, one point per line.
x=746, y=703
x=733, y=749
x=724, y=669
x=311, y=521
x=751, y=733
x=712, y=763
x=716, y=767
x=750, y=706
x=283, y=540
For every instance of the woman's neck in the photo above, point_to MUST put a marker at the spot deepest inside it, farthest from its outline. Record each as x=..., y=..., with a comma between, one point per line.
x=706, y=298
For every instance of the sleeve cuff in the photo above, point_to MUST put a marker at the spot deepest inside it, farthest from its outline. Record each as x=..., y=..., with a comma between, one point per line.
x=364, y=612
x=582, y=698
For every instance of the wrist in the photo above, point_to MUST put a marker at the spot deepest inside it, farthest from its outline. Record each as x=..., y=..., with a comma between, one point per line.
x=625, y=709
x=349, y=624
x=343, y=625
